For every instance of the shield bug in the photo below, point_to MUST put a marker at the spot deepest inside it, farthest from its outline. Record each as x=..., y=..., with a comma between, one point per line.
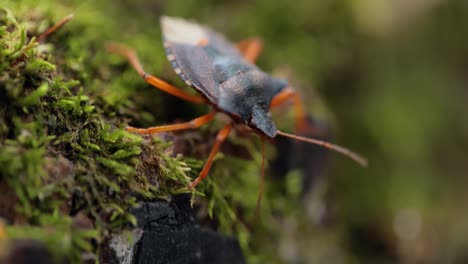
x=227, y=79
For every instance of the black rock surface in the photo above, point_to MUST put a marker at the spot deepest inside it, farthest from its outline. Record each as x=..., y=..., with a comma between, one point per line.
x=171, y=235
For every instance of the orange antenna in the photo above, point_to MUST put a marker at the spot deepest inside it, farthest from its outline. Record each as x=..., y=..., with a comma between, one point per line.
x=354, y=156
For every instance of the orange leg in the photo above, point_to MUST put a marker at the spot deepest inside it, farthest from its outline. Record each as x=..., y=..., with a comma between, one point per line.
x=131, y=56
x=250, y=48
x=286, y=95
x=197, y=122
x=54, y=28
x=220, y=138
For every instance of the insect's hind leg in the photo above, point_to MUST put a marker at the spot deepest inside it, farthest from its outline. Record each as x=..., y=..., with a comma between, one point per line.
x=250, y=48
x=220, y=138
x=132, y=58
x=291, y=94
x=195, y=123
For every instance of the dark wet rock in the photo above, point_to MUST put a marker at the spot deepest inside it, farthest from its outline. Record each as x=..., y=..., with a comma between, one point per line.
x=168, y=233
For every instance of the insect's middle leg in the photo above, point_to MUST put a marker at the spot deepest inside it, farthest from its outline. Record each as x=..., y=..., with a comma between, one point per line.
x=197, y=122
x=132, y=58
x=250, y=48
x=220, y=138
x=286, y=95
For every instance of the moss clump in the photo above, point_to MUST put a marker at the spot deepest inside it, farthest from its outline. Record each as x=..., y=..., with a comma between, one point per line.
x=62, y=155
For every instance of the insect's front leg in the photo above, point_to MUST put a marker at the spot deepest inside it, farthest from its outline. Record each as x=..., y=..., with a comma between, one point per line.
x=220, y=138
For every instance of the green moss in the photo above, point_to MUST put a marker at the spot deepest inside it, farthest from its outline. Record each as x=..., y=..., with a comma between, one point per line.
x=48, y=112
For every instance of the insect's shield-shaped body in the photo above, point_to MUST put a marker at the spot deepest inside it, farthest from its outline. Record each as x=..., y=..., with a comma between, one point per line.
x=215, y=68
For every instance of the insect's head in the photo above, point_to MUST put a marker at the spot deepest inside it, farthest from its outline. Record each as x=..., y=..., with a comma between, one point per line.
x=248, y=96
x=262, y=122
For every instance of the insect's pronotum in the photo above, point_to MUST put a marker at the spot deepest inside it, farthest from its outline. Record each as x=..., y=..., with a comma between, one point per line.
x=226, y=78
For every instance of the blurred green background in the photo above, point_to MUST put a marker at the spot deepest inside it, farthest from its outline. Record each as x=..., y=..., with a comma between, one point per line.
x=390, y=76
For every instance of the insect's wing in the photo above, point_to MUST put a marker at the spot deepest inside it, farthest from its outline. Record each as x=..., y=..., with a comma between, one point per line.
x=222, y=45
x=192, y=50
x=194, y=66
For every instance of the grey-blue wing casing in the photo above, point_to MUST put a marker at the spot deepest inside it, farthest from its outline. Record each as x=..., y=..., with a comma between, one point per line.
x=206, y=61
